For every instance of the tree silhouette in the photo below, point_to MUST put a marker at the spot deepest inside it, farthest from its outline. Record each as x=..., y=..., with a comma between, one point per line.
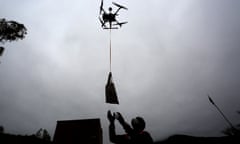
x=43, y=134
x=11, y=31
x=232, y=131
x=38, y=133
x=46, y=135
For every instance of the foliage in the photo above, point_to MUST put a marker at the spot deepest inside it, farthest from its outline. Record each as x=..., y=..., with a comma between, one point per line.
x=43, y=134
x=232, y=131
x=11, y=30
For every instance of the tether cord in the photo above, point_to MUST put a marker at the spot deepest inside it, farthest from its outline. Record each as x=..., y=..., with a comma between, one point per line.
x=110, y=44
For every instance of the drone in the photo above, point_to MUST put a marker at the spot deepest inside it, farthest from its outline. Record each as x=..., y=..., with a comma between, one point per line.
x=110, y=17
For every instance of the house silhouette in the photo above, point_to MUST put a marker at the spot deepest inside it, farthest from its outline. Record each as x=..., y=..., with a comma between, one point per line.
x=85, y=131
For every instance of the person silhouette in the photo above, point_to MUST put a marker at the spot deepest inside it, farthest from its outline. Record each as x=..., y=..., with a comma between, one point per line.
x=134, y=134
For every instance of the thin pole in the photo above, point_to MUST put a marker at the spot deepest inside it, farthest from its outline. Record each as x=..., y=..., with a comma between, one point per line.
x=231, y=125
x=228, y=121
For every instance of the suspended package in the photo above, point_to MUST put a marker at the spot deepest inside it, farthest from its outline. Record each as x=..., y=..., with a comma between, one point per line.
x=110, y=91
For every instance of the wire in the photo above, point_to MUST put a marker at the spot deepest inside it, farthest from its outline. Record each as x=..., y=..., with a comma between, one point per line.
x=110, y=51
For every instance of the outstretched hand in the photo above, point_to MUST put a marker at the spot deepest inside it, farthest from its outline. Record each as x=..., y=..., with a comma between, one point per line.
x=120, y=118
x=110, y=117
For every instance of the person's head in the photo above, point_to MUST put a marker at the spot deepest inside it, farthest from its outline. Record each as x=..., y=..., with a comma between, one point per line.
x=138, y=124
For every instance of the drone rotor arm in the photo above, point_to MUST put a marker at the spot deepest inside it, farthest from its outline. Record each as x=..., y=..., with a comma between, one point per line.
x=120, y=23
x=120, y=6
x=116, y=13
x=101, y=8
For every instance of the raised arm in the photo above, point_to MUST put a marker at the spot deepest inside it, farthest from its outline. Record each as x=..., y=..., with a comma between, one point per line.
x=112, y=133
x=121, y=139
x=124, y=124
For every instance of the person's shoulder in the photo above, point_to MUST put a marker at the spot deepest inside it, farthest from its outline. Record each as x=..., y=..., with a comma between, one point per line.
x=145, y=133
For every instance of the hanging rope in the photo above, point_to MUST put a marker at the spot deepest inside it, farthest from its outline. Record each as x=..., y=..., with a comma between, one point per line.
x=110, y=90
x=110, y=52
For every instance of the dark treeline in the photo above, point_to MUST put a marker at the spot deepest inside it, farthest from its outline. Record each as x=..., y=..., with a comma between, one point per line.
x=18, y=139
x=184, y=139
x=176, y=139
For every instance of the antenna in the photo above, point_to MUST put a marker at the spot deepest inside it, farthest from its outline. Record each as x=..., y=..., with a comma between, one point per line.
x=227, y=120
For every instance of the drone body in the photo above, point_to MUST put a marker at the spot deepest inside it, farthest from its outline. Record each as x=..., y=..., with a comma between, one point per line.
x=110, y=17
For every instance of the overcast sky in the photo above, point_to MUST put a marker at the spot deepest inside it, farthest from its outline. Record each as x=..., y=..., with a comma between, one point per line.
x=166, y=60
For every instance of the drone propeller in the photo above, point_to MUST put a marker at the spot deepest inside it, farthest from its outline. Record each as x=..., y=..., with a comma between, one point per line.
x=120, y=6
x=110, y=28
x=120, y=24
x=101, y=7
x=123, y=23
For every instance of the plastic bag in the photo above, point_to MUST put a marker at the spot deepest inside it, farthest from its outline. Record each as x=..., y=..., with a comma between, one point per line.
x=110, y=91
